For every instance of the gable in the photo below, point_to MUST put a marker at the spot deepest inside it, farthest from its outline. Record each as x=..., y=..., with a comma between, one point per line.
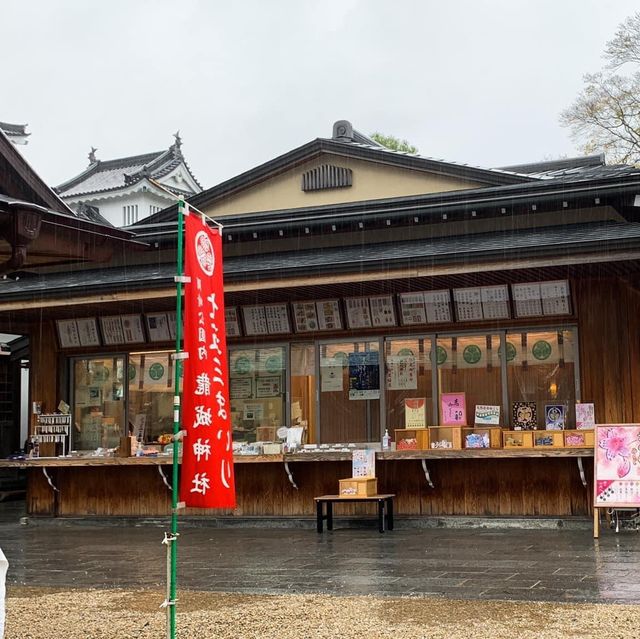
x=19, y=181
x=180, y=178
x=334, y=179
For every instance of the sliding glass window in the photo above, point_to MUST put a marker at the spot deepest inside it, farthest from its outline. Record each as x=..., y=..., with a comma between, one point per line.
x=408, y=379
x=541, y=368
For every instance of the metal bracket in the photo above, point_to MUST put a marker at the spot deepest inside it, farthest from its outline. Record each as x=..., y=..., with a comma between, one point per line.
x=426, y=473
x=164, y=479
x=581, y=469
x=289, y=475
x=169, y=537
x=49, y=480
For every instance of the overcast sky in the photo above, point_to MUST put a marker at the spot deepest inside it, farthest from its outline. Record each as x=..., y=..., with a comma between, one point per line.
x=476, y=81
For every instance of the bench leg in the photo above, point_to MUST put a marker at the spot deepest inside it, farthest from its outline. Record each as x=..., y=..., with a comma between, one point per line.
x=329, y=515
x=319, y=517
x=381, y=515
x=390, y=513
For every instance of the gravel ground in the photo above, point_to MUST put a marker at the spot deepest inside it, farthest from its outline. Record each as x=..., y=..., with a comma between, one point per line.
x=39, y=613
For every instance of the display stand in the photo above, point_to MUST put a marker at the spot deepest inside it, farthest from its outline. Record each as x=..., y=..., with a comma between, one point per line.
x=616, y=475
x=51, y=430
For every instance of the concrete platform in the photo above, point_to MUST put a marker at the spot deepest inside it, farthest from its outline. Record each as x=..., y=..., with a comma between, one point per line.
x=560, y=564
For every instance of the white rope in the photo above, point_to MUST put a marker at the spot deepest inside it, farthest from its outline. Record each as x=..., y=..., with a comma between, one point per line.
x=46, y=474
x=164, y=479
x=190, y=206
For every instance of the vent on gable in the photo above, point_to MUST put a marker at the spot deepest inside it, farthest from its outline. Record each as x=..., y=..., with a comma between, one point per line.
x=326, y=176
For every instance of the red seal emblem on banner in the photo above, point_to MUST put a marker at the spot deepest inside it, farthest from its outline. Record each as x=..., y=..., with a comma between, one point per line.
x=204, y=253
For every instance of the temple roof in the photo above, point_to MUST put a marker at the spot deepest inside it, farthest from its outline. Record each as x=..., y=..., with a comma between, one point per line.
x=17, y=133
x=112, y=175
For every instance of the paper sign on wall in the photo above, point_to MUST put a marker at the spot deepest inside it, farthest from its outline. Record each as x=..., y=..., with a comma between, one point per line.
x=158, y=327
x=415, y=415
x=487, y=415
x=68, y=333
x=382, y=310
x=358, y=313
x=402, y=373
x=453, y=409
x=585, y=416
x=241, y=388
x=132, y=329
x=364, y=375
x=88, y=331
x=330, y=375
x=232, y=322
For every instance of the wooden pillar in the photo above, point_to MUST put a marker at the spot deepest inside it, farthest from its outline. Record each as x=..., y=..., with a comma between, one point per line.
x=43, y=373
x=608, y=324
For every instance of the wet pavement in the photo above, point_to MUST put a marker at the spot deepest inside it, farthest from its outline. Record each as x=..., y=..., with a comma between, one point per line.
x=525, y=565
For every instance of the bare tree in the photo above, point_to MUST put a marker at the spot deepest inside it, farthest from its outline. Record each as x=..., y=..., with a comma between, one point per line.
x=606, y=114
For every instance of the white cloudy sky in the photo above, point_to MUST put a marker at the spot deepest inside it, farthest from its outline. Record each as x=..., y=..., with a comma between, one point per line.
x=477, y=81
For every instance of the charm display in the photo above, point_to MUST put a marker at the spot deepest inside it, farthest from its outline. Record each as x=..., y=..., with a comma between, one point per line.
x=525, y=416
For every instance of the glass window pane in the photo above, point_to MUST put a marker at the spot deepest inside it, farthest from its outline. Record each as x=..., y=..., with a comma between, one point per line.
x=350, y=392
x=303, y=388
x=257, y=378
x=151, y=386
x=541, y=369
x=98, y=402
x=407, y=376
x=470, y=364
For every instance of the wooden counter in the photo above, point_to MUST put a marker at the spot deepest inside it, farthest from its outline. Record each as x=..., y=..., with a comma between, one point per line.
x=443, y=453
x=320, y=456
x=66, y=462
x=427, y=483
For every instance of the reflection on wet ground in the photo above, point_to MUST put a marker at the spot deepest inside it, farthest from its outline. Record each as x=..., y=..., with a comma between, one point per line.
x=529, y=565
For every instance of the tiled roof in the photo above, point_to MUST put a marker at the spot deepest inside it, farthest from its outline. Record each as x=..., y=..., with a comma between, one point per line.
x=458, y=249
x=585, y=167
x=111, y=175
x=14, y=129
x=356, y=146
x=362, y=141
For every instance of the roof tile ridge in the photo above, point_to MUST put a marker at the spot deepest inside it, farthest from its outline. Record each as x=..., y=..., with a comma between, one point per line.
x=78, y=179
x=118, y=163
x=426, y=158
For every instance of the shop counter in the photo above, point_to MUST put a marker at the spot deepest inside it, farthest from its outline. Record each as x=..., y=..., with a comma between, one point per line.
x=517, y=483
x=162, y=460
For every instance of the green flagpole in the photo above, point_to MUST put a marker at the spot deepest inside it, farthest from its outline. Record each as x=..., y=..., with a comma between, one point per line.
x=176, y=429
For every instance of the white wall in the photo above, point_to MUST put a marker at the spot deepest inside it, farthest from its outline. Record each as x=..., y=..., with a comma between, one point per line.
x=111, y=208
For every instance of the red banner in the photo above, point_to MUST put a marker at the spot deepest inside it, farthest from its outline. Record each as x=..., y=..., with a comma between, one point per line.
x=207, y=479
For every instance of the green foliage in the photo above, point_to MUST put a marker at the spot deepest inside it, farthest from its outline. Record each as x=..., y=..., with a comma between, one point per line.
x=605, y=117
x=396, y=144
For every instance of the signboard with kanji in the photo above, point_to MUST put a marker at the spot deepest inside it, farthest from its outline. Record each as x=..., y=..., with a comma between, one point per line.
x=207, y=461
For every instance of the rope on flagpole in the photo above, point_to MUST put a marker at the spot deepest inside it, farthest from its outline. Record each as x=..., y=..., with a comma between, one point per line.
x=189, y=206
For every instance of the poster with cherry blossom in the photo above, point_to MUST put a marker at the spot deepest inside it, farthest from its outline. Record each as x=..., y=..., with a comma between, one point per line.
x=207, y=479
x=617, y=466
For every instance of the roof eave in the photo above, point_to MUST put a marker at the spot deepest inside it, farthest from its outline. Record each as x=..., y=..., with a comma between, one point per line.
x=433, y=203
x=309, y=151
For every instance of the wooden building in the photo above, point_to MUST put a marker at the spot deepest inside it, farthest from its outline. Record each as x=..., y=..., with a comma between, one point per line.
x=356, y=278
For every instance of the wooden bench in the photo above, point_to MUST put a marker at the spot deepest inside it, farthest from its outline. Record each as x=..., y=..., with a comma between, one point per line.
x=324, y=509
